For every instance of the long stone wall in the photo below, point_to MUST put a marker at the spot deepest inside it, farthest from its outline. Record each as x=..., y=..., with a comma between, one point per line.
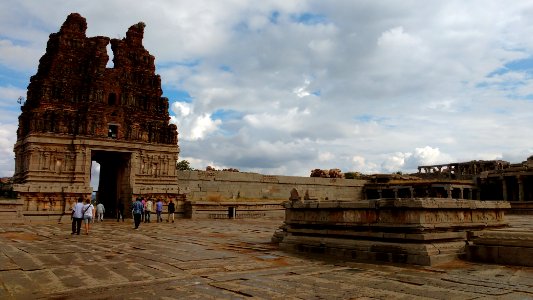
x=239, y=186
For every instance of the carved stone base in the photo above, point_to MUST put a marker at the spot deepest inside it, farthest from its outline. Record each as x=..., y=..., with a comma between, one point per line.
x=232, y=209
x=11, y=211
x=427, y=253
x=414, y=231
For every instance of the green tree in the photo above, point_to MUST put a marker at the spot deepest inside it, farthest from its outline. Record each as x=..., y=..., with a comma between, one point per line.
x=350, y=175
x=183, y=166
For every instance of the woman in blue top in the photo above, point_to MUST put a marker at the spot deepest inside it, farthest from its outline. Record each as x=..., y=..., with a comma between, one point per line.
x=159, y=210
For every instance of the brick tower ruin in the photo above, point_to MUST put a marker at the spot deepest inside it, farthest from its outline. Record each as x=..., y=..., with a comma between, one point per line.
x=78, y=111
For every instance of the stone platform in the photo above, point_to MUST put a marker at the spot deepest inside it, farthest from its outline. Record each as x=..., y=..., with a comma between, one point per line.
x=233, y=209
x=509, y=246
x=221, y=259
x=421, y=231
x=11, y=211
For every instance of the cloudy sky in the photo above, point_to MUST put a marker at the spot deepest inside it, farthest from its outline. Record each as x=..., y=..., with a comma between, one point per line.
x=283, y=87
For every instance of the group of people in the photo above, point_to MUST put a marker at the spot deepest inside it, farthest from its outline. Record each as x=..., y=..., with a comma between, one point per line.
x=142, y=209
x=85, y=213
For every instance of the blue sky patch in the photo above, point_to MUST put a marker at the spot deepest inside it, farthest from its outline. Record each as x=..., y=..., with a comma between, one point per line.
x=176, y=95
x=519, y=65
x=274, y=17
x=186, y=63
x=367, y=118
x=525, y=64
x=226, y=114
x=226, y=69
x=14, y=78
x=241, y=27
x=504, y=85
x=16, y=42
x=309, y=19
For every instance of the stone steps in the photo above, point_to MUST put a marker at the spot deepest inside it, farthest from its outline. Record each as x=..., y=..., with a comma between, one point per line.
x=11, y=211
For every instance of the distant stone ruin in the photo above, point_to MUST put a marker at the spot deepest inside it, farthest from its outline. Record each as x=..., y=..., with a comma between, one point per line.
x=79, y=111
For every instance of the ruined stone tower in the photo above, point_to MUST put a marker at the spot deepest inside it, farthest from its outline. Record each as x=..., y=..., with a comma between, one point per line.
x=78, y=111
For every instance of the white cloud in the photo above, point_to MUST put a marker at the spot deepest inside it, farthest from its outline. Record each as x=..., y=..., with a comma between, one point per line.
x=360, y=164
x=358, y=88
x=419, y=157
x=191, y=126
x=18, y=57
x=181, y=109
x=326, y=156
x=95, y=175
x=202, y=126
x=7, y=141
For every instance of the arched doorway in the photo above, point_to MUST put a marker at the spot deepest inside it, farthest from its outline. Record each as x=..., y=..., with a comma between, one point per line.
x=114, y=180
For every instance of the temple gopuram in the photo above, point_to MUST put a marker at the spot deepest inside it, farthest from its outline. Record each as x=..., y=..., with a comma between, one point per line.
x=79, y=111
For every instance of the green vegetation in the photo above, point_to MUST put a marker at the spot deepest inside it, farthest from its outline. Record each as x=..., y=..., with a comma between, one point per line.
x=183, y=166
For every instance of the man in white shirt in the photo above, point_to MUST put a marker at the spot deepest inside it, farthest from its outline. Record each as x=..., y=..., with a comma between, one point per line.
x=77, y=216
x=147, y=210
x=100, y=210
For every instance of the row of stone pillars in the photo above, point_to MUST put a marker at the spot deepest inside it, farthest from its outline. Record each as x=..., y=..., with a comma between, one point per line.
x=447, y=188
x=521, y=193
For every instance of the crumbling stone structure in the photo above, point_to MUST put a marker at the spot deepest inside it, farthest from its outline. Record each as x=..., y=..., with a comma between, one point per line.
x=78, y=111
x=466, y=170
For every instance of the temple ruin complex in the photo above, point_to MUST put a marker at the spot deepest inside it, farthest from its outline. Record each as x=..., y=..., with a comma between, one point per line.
x=81, y=111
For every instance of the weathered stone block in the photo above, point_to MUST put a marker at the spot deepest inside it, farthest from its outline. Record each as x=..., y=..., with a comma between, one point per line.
x=420, y=231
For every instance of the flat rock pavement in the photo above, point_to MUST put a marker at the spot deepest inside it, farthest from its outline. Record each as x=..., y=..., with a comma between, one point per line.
x=220, y=259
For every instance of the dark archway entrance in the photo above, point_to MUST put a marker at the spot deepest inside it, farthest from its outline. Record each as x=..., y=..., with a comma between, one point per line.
x=114, y=181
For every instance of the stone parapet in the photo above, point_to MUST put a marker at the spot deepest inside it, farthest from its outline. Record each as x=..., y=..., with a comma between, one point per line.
x=232, y=209
x=240, y=186
x=413, y=214
x=421, y=231
x=501, y=247
x=11, y=211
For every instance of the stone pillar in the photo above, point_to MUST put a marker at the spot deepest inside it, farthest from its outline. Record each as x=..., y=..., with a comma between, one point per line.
x=520, y=188
x=380, y=193
x=449, y=191
x=462, y=195
x=395, y=193
x=504, y=188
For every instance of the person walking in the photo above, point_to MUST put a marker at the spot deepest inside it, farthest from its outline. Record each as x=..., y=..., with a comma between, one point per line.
x=143, y=201
x=171, y=210
x=148, y=210
x=120, y=211
x=100, y=210
x=77, y=216
x=88, y=215
x=137, y=212
x=159, y=210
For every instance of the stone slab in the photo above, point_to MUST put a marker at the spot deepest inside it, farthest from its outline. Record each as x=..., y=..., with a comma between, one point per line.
x=224, y=259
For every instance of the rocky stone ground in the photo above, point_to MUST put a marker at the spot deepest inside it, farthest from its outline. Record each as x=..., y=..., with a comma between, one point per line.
x=222, y=259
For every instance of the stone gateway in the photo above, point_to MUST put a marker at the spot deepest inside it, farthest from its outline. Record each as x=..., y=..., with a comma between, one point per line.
x=78, y=111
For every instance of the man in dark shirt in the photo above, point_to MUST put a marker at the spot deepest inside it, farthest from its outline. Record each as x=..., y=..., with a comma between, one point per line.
x=171, y=210
x=138, y=210
x=120, y=211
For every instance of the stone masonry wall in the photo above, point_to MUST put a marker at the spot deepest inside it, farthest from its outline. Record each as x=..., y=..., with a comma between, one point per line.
x=240, y=186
